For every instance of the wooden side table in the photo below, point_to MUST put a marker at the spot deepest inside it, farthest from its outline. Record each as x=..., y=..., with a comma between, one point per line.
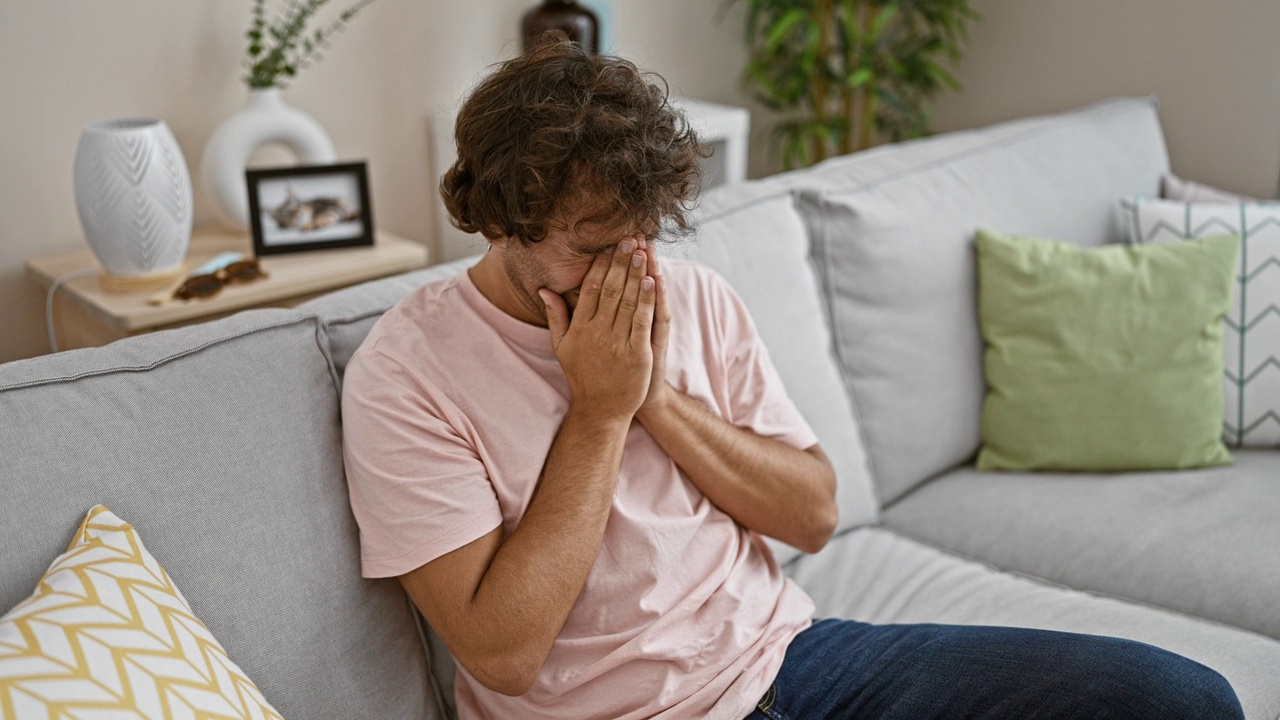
x=86, y=314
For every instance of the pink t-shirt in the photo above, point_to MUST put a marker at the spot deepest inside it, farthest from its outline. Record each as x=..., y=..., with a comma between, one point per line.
x=449, y=409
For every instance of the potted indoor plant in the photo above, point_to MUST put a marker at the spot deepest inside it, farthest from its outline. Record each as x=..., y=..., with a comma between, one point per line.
x=851, y=73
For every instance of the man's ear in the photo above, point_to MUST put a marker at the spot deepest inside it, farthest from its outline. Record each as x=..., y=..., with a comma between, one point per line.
x=501, y=242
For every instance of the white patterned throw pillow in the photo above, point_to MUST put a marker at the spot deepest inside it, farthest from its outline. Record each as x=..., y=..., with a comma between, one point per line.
x=1252, y=333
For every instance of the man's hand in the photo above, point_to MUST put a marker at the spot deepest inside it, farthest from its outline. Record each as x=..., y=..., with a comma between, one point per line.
x=606, y=350
x=659, y=390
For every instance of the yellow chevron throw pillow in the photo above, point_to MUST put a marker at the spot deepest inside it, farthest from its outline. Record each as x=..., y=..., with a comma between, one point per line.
x=107, y=634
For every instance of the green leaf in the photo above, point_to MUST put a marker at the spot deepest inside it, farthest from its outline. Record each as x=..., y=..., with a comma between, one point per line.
x=860, y=77
x=850, y=30
x=779, y=31
x=882, y=19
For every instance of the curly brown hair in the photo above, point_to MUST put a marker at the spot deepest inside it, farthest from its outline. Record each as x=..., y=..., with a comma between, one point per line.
x=558, y=134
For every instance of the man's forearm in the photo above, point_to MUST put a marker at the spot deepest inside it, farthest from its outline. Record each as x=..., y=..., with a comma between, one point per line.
x=765, y=485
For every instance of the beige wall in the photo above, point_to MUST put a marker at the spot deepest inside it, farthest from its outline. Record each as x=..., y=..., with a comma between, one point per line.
x=64, y=63
x=1215, y=65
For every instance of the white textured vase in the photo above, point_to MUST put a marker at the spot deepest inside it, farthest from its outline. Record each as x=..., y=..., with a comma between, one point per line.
x=265, y=119
x=133, y=194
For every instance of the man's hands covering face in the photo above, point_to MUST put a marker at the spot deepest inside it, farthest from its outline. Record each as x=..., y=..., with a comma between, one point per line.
x=607, y=349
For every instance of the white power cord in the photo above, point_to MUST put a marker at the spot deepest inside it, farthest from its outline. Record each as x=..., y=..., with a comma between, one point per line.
x=48, y=302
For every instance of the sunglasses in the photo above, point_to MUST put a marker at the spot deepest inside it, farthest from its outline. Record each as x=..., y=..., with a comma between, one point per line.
x=207, y=285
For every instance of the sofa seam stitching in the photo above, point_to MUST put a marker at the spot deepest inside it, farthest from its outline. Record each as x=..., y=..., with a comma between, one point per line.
x=746, y=204
x=1120, y=108
x=352, y=319
x=419, y=624
x=818, y=240
x=157, y=363
x=321, y=337
x=889, y=177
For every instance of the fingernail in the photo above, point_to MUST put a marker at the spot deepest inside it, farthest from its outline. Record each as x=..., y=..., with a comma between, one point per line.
x=627, y=246
x=646, y=284
x=637, y=260
x=543, y=294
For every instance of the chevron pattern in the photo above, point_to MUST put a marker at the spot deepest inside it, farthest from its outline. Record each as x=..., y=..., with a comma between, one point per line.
x=135, y=200
x=107, y=635
x=1252, y=332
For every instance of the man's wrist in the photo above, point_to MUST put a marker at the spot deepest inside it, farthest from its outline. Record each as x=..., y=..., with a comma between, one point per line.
x=595, y=417
x=657, y=405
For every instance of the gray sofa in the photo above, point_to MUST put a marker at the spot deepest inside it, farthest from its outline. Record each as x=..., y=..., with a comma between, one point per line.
x=221, y=442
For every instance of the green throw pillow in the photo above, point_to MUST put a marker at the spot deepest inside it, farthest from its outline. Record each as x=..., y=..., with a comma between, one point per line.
x=1103, y=359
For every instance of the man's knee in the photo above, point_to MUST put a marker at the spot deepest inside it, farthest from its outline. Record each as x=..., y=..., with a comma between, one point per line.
x=1201, y=692
x=1159, y=684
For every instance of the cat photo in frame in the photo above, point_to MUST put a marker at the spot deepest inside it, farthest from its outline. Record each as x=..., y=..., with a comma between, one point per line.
x=309, y=207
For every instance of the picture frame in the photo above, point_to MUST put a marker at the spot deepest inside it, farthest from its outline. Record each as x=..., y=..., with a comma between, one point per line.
x=299, y=208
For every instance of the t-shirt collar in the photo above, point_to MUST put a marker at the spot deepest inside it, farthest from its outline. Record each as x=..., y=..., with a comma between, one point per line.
x=531, y=337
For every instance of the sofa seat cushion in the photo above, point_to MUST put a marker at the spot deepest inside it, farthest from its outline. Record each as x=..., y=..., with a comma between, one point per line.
x=876, y=575
x=221, y=443
x=1203, y=542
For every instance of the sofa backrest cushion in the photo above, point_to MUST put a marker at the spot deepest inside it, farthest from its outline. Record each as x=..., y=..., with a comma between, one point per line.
x=348, y=314
x=220, y=443
x=893, y=239
x=762, y=248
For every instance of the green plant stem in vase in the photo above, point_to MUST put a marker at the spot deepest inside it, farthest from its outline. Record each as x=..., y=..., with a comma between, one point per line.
x=281, y=46
x=850, y=73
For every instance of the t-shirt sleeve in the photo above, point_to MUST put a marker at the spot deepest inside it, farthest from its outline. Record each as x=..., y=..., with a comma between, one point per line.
x=757, y=398
x=418, y=489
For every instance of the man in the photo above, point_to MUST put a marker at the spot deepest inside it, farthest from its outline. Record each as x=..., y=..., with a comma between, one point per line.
x=568, y=455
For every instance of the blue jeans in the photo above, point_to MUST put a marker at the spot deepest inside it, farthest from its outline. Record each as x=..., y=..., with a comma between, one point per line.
x=841, y=670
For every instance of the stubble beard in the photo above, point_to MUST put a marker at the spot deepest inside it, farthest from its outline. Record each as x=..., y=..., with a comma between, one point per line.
x=526, y=276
